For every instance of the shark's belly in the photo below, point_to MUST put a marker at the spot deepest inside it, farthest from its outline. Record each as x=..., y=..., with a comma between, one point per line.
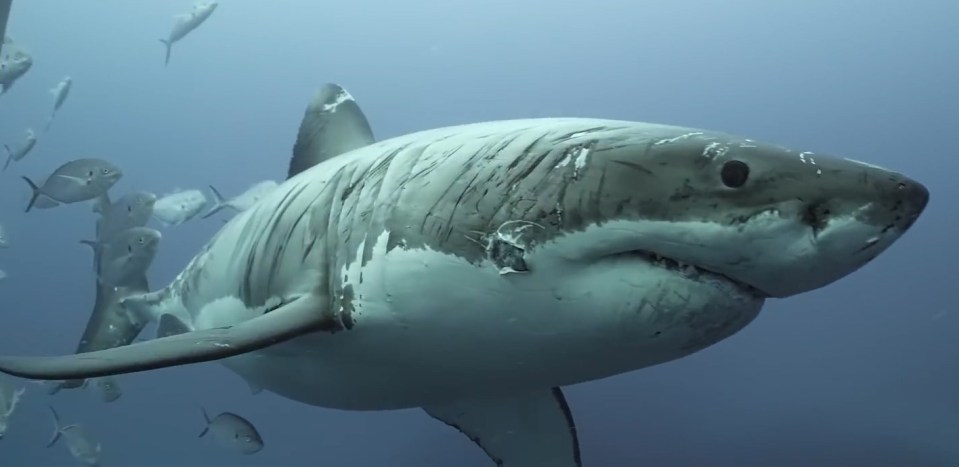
x=430, y=326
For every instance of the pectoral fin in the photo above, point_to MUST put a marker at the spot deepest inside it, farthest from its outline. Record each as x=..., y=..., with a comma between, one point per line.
x=526, y=430
x=301, y=316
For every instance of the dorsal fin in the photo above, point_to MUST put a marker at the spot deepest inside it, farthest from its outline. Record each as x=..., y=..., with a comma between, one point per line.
x=332, y=125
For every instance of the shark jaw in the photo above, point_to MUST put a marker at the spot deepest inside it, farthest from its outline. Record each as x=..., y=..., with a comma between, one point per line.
x=776, y=252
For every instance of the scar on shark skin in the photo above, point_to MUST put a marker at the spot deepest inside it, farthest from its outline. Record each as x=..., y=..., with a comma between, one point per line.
x=506, y=247
x=346, y=307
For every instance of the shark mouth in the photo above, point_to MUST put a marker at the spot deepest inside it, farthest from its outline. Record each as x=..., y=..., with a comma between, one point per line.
x=691, y=271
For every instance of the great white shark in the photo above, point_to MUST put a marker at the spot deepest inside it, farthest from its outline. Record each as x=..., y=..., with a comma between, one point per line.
x=475, y=270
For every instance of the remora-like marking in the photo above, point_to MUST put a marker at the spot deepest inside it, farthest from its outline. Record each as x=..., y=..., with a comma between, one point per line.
x=476, y=269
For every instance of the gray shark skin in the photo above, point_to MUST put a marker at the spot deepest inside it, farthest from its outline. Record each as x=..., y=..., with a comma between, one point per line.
x=324, y=134
x=475, y=270
x=185, y=24
x=5, y=6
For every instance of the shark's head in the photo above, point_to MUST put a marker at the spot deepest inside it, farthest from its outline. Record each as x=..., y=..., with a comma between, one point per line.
x=774, y=221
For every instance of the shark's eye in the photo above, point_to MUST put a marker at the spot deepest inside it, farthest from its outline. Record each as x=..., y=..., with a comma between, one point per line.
x=734, y=173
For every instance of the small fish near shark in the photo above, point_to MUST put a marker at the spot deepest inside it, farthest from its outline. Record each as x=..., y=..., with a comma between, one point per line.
x=15, y=62
x=186, y=23
x=109, y=324
x=574, y=249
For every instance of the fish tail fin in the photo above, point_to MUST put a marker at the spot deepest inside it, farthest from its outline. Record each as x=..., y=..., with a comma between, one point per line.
x=9, y=156
x=102, y=203
x=15, y=399
x=34, y=195
x=96, y=247
x=170, y=325
x=206, y=418
x=57, y=429
x=218, y=203
x=169, y=47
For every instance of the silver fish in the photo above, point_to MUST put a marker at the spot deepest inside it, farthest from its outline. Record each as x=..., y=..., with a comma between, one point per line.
x=131, y=210
x=179, y=207
x=233, y=432
x=244, y=200
x=125, y=257
x=83, y=447
x=22, y=150
x=60, y=93
x=109, y=389
x=14, y=63
x=9, y=398
x=4, y=243
x=185, y=23
x=75, y=181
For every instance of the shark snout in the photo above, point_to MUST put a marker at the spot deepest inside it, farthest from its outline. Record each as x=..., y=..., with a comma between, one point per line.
x=915, y=197
x=903, y=201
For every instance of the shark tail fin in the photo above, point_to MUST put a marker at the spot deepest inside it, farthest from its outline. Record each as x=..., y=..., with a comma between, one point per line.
x=207, y=419
x=9, y=156
x=219, y=202
x=33, y=196
x=169, y=48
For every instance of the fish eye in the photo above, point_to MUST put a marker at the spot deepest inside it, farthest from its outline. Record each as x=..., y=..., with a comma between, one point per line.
x=141, y=240
x=734, y=173
x=106, y=171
